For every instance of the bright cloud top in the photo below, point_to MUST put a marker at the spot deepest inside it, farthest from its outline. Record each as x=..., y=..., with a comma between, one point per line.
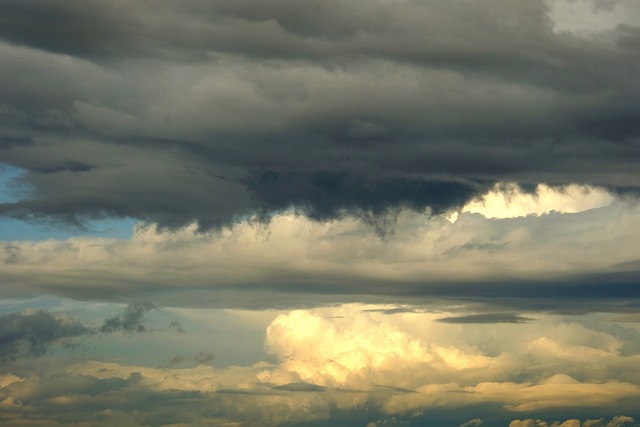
x=396, y=364
x=508, y=201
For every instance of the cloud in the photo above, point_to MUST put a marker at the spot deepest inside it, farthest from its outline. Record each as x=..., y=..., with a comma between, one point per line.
x=583, y=18
x=300, y=387
x=334, y=353
x=210, y=112
x=350, y=364
x=471, y=164
x=618, y=420
x=201, y=358
x=558, y=391
x=573, y=262
x=177, y=326
x=470, y=423
x=325, y=195
x=410, y=350
x=508, y=201
x=29, y=334
x=487, y=318
x=131, y=320
x=528, y=423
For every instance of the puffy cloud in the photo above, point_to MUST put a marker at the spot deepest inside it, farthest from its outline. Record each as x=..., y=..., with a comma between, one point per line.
x=131, y=320
x=558, y=391
x=334, y=347
x=527, y=423
x=326, y=352
x=28, y=334
x=570, y=423
x=349, y=363
x=508, y=200
x=31, y=332
x=9, y=379
x=436, y=366
x=201, y=358
x=533, y=260
x=618, y=420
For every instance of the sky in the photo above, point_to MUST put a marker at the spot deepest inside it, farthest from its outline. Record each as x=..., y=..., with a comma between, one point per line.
x=358, y=213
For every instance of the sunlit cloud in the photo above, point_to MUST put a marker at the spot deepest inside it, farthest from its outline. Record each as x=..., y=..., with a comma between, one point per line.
x=341, y=260
x=509, y=201
x=362, y=213
x=327, y=361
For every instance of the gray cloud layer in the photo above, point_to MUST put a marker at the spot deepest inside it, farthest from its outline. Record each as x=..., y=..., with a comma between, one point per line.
x=174, y=112
x=487, y=318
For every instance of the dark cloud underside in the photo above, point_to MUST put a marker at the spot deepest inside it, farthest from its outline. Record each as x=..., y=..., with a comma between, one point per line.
x=175, y=112
x=487, y=318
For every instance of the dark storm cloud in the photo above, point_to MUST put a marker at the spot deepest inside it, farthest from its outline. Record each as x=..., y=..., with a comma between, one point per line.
x=30, y=334
x=179, y=112
x=323, y=196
